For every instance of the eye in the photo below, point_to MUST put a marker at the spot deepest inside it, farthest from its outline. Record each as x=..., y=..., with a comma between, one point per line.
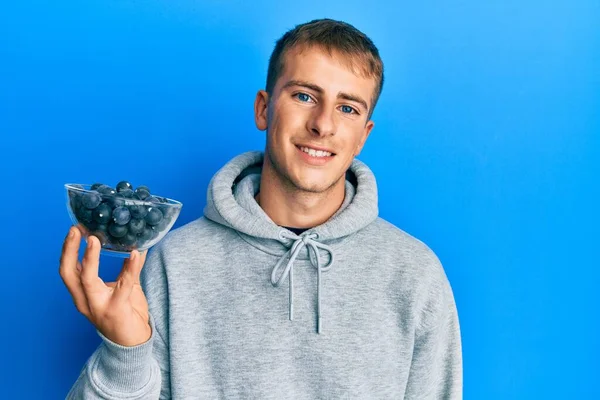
x=303, y=97
x=348, y=110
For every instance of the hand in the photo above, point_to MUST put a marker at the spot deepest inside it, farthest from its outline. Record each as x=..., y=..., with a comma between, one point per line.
x=119, y=310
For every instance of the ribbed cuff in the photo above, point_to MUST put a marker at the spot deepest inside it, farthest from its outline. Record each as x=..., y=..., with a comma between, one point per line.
x=121, y=368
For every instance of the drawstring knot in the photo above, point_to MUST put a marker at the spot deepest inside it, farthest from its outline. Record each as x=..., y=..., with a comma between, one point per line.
x=309, y=241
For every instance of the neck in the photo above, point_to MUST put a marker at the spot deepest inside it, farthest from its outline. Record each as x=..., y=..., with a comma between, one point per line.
x=291, y=207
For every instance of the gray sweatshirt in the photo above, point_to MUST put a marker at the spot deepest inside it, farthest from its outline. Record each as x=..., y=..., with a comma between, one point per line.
x=241, y=308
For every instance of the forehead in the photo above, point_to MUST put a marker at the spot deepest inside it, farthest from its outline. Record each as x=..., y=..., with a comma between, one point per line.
x=332, y=71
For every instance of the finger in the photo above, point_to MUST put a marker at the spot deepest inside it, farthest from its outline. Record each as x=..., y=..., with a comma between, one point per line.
x=125, y=282
x=92, y=284
x=69, y=270
x=126, y=267
x=135, y=267
x=130, y=275
x=70, y=249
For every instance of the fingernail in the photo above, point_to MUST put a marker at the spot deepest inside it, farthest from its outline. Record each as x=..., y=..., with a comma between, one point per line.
x=90, y=242
x=71, y=233
x=132, y=256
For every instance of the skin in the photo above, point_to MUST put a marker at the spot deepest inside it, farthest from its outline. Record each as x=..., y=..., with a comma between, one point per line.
x=293, y=192
x=117, y=309
x=308, y=106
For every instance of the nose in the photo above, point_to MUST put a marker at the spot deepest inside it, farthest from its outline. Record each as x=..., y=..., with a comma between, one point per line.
x=322, y=121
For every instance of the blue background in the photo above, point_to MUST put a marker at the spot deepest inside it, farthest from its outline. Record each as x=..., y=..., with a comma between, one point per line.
x=486, y=147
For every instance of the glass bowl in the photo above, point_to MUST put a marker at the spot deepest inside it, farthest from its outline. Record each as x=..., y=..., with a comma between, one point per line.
x=122, y=220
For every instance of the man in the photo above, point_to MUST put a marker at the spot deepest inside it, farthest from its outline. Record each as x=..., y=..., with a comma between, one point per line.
x=290, y=285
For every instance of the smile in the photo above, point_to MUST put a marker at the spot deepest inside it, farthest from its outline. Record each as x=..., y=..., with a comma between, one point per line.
x=315, y=153
x=314, y=157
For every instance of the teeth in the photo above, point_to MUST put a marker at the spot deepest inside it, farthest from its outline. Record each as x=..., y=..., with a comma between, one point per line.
x=315, y=153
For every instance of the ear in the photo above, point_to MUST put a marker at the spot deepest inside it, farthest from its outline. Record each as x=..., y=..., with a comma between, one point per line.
x=367, y=130
x=260, y=110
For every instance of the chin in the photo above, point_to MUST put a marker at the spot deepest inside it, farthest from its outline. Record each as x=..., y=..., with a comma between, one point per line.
x=314, y=185
x=314, y=188
x=301, y=177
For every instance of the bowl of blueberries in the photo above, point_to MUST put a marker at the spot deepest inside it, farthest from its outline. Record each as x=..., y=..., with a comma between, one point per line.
x=122, y=218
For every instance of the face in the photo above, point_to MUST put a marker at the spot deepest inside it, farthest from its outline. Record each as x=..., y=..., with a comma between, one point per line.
x=316, y=120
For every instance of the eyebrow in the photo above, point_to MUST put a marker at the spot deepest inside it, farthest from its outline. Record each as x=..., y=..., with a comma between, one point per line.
x=319, y=89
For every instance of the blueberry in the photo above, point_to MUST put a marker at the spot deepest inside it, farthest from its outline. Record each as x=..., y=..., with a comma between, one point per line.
x=136, y=226
x=106, y=190
x=126, y=193
x=102, y=213
x=114, y=201
x=121, y=215
x=75, y=200
x=138, y=211
x=116, y=230
x=128, y=240
x=91, y=200
x=72, y=194
x=161, y=226
x=111, y=239
x=90, y=225
x=154, y=216
x=116, y=216
x=84, y=214
x=167, y=210
x=102, y=228
x=124, y=185
x=156, y=230
x=146, y=235
x=142, y=194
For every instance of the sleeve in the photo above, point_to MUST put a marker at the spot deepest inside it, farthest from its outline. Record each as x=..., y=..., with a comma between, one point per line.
x=436, y=367
x=138, y=372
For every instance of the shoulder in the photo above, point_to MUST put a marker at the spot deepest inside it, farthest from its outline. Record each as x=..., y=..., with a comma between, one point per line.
x=190, y=239
x=189, y=234
x=411, y=252
x=419, y=268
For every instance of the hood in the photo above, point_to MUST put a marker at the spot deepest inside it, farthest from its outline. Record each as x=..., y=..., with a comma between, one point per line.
x=231, y=202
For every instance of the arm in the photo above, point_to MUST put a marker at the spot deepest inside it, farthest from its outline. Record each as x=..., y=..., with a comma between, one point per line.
x=116, y=372
x=436, y=368
x=133, y=372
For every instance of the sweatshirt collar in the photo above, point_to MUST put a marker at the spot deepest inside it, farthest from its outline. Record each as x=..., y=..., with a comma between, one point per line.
x=231, y=202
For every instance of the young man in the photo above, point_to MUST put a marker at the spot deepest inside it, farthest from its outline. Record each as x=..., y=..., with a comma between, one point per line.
x=290, y=285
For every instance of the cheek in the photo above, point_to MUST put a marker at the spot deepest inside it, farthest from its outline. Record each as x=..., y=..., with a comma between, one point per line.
x=290, y=117
x=354, y=135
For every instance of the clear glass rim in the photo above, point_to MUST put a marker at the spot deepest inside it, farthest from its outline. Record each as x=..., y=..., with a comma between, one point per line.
x=171, y=202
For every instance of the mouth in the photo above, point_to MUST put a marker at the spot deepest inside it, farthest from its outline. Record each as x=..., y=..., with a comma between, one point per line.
x=314, y=157
x=315, y=151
